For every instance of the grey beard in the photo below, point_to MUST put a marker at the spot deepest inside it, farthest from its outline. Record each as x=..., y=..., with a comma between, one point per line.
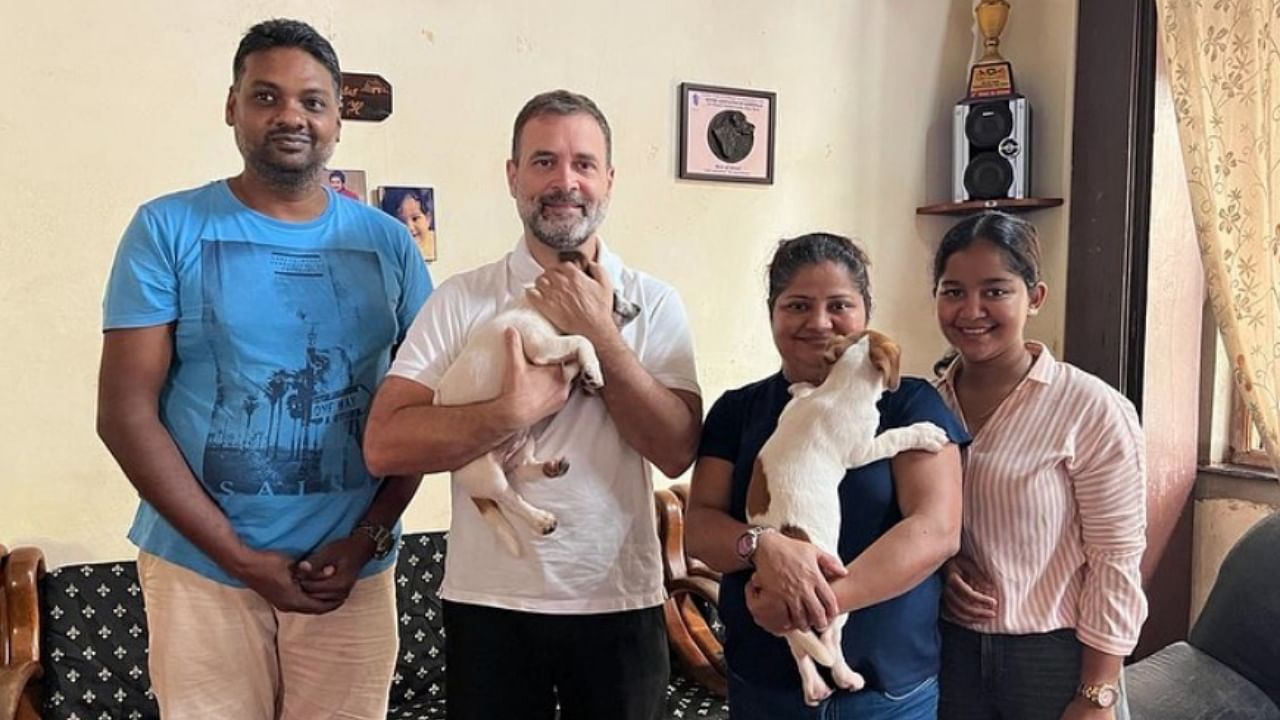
x=562, y=239
x=570, y=237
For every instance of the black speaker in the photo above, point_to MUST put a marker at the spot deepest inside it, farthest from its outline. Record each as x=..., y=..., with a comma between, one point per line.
x=991, y=156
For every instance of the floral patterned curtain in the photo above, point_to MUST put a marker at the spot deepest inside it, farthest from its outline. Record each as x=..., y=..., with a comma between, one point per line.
x=1224, y=62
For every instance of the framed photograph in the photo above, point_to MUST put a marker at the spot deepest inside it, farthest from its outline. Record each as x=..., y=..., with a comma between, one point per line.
x=349, y=184
x=726, y=134
x=415, y=206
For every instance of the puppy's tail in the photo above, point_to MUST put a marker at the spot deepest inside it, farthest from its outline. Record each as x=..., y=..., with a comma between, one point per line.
x=813, y=646
x=492, y=514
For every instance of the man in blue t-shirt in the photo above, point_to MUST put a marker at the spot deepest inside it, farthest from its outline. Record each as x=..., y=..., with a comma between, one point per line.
x=247, y=323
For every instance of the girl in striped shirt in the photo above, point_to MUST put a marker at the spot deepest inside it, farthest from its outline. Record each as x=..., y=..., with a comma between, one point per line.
x=1044, y=599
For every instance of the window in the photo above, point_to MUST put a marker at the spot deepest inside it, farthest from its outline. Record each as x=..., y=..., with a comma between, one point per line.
x=1246, y=443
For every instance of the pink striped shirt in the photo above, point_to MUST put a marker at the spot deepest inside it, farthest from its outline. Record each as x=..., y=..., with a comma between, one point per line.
x=1055, y=507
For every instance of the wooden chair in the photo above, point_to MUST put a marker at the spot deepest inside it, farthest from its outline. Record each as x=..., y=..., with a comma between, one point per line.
x=693, y=591
x=20, y=671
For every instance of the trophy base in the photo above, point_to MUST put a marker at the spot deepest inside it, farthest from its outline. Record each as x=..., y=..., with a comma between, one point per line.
x=991, y=79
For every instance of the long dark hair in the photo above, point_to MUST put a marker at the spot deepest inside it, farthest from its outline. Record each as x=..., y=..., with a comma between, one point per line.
x=1015, y=238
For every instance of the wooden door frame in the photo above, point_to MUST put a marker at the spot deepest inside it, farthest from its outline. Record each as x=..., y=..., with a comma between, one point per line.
x=1111, y=191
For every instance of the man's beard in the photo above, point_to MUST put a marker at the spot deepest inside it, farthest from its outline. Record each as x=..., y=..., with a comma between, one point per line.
x=564, y=233
x=262, y=159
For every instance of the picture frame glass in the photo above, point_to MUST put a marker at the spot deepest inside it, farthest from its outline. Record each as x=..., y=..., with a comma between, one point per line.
x=726, y=134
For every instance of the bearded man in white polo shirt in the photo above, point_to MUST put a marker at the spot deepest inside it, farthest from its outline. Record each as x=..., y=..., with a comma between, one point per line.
x=578, y=620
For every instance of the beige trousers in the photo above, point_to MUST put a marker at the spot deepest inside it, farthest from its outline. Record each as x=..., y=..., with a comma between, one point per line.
x=218, y=651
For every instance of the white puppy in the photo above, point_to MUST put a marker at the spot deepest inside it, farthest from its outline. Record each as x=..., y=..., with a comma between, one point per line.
x=477, y=375
x=822, y=432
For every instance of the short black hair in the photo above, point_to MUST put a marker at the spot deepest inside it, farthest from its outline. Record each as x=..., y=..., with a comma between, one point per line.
x=338, y=174
x=562, y=103
x=285, y=33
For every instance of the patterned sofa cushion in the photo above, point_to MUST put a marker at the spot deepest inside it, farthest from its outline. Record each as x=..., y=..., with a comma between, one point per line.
x=94, y=641
x=94, y=637
x=419, y=676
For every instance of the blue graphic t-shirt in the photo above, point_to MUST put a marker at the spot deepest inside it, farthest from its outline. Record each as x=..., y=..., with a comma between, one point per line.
x=283, y=331
x=894, y=643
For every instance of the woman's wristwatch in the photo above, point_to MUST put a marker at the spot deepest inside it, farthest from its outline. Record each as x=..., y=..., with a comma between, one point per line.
x=1103, y=695
x=749, y=541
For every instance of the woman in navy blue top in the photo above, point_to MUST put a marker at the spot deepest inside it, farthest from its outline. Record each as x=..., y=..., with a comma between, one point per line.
x=900, y=518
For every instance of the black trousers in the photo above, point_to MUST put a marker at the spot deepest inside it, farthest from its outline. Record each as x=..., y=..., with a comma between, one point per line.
x=510, y=665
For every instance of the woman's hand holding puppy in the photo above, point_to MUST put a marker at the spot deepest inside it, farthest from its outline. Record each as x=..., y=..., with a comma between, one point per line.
x=795, y=574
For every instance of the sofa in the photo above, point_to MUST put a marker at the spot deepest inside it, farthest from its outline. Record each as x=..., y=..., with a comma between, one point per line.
x=74, y=639
x=1229, y=667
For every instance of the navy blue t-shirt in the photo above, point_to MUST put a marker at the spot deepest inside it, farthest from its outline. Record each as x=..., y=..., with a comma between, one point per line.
x=893, y=644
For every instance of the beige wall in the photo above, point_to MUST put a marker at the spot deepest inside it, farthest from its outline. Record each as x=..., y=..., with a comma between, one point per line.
x=125, y=103
x=1219, y=523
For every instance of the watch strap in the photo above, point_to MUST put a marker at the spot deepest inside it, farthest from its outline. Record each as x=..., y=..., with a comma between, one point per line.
x=749, y=542
x=1103, y=695
x=382, y=536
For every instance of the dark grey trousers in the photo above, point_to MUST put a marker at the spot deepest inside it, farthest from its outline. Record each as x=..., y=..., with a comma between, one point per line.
x=1009, y=677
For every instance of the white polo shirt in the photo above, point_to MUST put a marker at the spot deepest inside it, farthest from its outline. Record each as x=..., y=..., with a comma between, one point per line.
x=604, y=554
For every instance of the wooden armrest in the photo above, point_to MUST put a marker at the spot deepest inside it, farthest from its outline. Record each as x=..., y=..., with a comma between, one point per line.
x=670, y=533
x=696, y=625
x=23, y=569
x=695, y=645
x=16, y=691
x=704, y=588
x=694, y=566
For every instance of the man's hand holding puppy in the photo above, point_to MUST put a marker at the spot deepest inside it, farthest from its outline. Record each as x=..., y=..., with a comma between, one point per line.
x=409, y=434
x=658, y=422
x=577, y=302
x=529, y=392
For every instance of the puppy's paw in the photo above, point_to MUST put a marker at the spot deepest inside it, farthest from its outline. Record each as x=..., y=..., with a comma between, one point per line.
x=800, y=389
x=592, y=379
x=544, y=523
x=555, y=468
x=847, y=678
x=815, y=691
x=930, y=437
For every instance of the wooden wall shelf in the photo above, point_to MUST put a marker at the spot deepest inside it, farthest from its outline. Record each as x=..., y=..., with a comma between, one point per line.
x=973, y=206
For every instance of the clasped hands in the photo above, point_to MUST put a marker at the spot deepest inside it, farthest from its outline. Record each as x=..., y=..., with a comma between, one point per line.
x=316, y=584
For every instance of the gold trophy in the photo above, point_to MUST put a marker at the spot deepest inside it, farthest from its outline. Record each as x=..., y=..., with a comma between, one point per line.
x=992, y=75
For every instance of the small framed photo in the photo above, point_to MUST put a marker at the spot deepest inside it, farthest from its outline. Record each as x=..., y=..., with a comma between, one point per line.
x=415, y=206
x=348, y=184
x=726, y=134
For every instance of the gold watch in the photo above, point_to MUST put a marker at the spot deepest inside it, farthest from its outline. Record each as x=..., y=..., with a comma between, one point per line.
x=1103, y=695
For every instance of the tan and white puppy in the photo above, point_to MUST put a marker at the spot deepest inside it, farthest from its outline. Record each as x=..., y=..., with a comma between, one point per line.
x=477, y=375
x=823, y=432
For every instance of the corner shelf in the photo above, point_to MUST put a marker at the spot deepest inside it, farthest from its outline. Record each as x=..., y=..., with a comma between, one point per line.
x=1010, y=204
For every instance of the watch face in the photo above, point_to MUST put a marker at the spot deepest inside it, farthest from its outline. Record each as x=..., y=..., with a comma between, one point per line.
x=1106, y=696
x=746, y=543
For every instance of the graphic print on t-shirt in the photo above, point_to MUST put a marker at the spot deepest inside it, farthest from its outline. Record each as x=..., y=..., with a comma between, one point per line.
x=292, y=385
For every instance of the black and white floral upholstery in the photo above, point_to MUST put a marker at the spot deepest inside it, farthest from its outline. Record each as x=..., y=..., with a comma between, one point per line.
x=95, y=644
x=417, y=688
x=688, y=699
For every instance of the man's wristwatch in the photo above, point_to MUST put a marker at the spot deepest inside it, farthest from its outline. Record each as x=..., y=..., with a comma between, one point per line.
x=749, y=541
x=1103, y=695
x=384, y=541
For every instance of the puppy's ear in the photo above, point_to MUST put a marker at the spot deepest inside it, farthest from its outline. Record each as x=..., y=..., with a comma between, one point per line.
x=886, y=356
x=836, y=347
x=624, y=311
